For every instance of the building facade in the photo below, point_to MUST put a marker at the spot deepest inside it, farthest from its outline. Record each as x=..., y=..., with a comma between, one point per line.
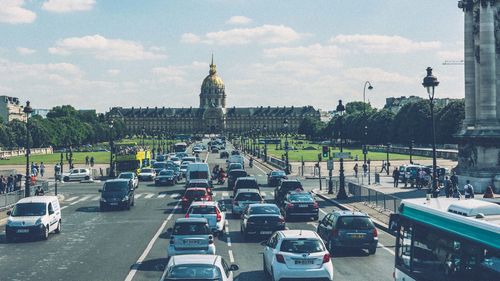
x=212, y=116
x=395, y=104
x=11, y=109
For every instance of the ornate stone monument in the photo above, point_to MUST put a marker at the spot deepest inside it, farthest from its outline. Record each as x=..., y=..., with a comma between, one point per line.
x=479, y=139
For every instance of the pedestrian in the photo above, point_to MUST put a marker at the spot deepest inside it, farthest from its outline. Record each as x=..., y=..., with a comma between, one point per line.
x=42, y=169
x=57, y=172
x=468, y=190
x=10, y=183
x=454, y=180
x=435, y=192
x=448, y=188
x=92, y=161
x=34, y=171
x=489, y=192
x=407, y=178
x=395, y=176
x=39, y=191
x=87, y=160
x=365, y=169
x=456, y=193
x=383, y=167
x=355, y=170
x=2, y=185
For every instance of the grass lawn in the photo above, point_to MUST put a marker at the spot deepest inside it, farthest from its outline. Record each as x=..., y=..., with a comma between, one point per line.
x=78, y=158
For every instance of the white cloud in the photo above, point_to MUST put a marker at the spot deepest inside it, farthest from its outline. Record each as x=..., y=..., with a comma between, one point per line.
x=451, y=55
x=12, y=12
x=104, y=48
x=25, y=51
x=64, y=6
x=377, y=74
x=265, y=34
x=239, y=20
x=381, y=44
x=113, y=72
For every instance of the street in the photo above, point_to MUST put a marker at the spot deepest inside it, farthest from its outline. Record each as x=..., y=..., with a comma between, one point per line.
x=131, y=245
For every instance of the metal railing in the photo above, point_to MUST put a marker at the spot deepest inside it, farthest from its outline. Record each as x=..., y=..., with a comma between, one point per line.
x=7, y=200
x=373, y=198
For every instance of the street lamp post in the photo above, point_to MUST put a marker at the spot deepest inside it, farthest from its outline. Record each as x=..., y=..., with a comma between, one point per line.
x=412, y=144
x=342, y=193
x=285, y=125
x=27, y=110
x=143, y=133
x=258, y=143
x=430, y=83
x=111, y=148
x=265, y=142
x=365, y=128
x=388, y=164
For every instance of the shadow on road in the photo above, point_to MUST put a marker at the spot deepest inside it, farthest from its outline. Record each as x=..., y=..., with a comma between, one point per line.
x=251, y=276
x=92, y=209
x=152, y=265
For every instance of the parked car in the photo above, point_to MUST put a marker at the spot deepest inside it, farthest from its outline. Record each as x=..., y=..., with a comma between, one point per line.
x=261, y=219
x=275, y=177
x=116, y=193
x=198, y=267
x=214, y=212
x=133, y=179
x=245, y=197
x=77, y=174
x=285, y=187
x=292, y=254
x=147, y=174
x=35, y=216
x=166, y=177
x=348, y=229
x=300, y=204
x=191, y=236
x=193, y=194
x=245, y=182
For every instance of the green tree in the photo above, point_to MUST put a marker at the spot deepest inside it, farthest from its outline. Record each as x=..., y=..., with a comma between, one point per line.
x=379, y=127
x=357, y=106
x=62, y=111
x=448, y=121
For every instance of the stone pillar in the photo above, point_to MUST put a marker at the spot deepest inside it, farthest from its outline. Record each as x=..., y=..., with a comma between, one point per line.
x=487, y=99
x=497, y=32
x=469, y=68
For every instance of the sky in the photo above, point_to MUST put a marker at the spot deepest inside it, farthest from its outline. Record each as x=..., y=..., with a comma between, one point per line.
x=98, y=54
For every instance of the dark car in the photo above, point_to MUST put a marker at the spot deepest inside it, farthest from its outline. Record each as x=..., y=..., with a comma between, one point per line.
x=245, y=182
x=274, y=178
x=200, y=183
x=261, y=219
x=224, y=154
x=116, y=193
x=214, y=149
x=195, y=194
x=347, y=229
x=166, y=177
x=158, y=166
x=300, y=204
x=160, y=158
x=285, y=187
x=235, y=152
x=233, y=166
x=233, y=175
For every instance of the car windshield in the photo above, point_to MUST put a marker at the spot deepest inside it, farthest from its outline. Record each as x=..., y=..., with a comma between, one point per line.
x=174, y=159
x=278, y=174
x=191, y=229
x=264, y=210
x=28, y=209
x=199, y=184
x=247, y=184
x=355, y=223
x=159, y=165
x=166, y=173
x=195, y=193
x=306, y=197
x=238, y=174
x=292, y=185
x=126, y=176
x=302, y=246
x=146, y=170
x=115, y=186
x=202, y=210
x=248, y=196
x=194, y=272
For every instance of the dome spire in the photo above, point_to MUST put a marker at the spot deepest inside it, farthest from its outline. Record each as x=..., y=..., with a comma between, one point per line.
x=212, y=66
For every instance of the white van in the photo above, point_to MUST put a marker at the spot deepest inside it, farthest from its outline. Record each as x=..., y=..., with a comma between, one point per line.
x=35, y=216
x=197, y=171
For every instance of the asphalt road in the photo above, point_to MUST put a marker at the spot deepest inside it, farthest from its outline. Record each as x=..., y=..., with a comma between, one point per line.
x=131, y=245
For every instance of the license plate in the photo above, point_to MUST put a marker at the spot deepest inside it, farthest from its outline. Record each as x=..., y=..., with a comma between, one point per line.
x=190, y=242
x=357, y=235
x=304, y=262
x=23, y=230
x=114, y=204
x=303, y=205
x=266, y=232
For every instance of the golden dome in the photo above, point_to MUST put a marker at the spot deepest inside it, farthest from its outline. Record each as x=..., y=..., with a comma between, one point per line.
x=212, y=81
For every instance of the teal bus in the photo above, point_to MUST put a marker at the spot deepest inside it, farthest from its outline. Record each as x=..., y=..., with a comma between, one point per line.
x=447, y=239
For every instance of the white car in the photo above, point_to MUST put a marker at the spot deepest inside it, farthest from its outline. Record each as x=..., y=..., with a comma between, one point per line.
x=77, y=174
x=198, y=267
x=176, y=161
x=147, y=174
x=191, y=236
x=132, y=177
x=214, y=212
x=245, y=197
x=34, y=216
x=296, y=254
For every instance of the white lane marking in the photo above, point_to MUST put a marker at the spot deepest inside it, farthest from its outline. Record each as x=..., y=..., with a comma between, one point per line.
x=62, y=208
x=133, y=271
x=231, y=257
x=82, y=199
x=214, y=193
x=206, y=158
x=150, y=195
x=229, y=241
x=260, y=169
x=324, y=213
x=71, y=199
x=387, y=249
x=225, y=194
x=96, y=198
x=138, y=195
x=175, y=195
x=313, y=224
x=162, y=195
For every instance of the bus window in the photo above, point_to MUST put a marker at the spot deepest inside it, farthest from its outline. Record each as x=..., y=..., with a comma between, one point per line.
x=404, y=249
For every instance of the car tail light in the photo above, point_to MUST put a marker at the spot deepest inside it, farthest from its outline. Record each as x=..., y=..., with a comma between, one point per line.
x=375, y=232
x=315, y=205
x=335, y=232
x=281, y=220
x=187, y=215
x=280, y=258
x=184, y=198
x=217, y=212
x=289, y=205
x=326, y=258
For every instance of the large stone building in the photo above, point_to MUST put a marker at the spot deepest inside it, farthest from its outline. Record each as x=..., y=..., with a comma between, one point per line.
x=11, y=109
x=395, y=104
x=213, y=116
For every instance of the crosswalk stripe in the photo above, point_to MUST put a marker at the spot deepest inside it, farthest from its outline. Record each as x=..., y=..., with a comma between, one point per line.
x=162, y=195
x=225, y=194
x=138, y=195
x=214, y=193
x=96, y=198
x=71, y=199
x=149, y=195
x=313, y=224
x=175, y=195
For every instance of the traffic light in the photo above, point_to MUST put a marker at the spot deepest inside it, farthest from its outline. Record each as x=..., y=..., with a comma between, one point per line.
x=325, y=151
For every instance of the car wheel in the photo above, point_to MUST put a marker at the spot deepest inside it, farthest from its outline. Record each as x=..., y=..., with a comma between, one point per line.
x=65, y=179
x=87, y=178
x=45, y=234
x=127, y=207
x=102, y=207
x=331, y=248
x=246, y=236
x=272, y=275
x=58, y=229
x=372, y=251
x=315, y=218
x=133, y=202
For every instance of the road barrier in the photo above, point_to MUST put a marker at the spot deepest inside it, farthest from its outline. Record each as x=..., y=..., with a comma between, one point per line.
x=373, y=198
x=7, y=200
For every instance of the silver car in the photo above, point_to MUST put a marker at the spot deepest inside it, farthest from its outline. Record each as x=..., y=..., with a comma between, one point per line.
x=199, y=267
x=245, y=197
x=191, y=236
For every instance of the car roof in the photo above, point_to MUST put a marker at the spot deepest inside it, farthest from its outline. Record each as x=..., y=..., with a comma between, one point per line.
x=247, y=190
x=38, y=199
x=194, y=259
x=195, y=188
x=206, y=203
x=293, y=192
x=247, y=178
x=351, y=214
x=191, y=220
x=262, y=205
x=125, y=173
x=117, y=180
x=198, y=180
x=298, y=233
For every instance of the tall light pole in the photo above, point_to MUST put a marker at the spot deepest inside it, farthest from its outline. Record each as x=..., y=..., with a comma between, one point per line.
x=143, y=135
x=430, y=83
x=388, y=164
x=342, y=193
x=111, y=148
x=258, y=143
x=27, y=110
x=365, y=128
x=412, y=145
x=285, y=126
x=265, y=142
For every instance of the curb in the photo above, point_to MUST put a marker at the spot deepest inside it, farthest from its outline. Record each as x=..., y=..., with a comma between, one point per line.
x=377, y=223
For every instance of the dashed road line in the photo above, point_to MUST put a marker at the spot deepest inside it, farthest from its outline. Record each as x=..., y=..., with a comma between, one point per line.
x=229, y=241
x=175, y=195
x=387, y=249
x=162, y=195
x=96, y=198
x=150, y=195
x=71, y=199
x=225, y=194
x=138, y=195
x=313, y=224
x=324, y=213
x=82, y=199
x=231, y=257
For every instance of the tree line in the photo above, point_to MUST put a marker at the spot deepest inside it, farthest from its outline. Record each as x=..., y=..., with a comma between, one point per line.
x=412, y=122
x=64, y=127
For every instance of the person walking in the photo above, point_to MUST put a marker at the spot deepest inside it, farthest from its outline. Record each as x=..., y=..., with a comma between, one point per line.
x=489, y=192
x=468, y=190
x=87, y=160
x=395, y=176
x=454, y=180
x=34, y=171
x=407, y=178
x=355, y=170
x=456, y=193
x=10, y=183
x=92, y=161
x=2, y=185
x=383, y=167
x=365, y=169
x=448, y=188
x=57, y=172
x=42, y=169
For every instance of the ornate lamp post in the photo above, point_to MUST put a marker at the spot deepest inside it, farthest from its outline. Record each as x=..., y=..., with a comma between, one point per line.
x=430, y=83
x=111, y=148
x=258, y=142
x=388, y=164
x=365, y=128
x=153, y=135
x=265, y=142
x=27, y=110
x=342, y=193
x=285, y=126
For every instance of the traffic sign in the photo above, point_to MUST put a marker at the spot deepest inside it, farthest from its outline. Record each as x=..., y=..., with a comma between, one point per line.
x=329, y=164
x=342, y=155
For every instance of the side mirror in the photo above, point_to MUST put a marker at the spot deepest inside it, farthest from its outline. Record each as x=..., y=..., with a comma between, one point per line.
x=234, y=267
x=169, y=230
x=263, y=243
x=51, y=212
x=8, y=213
x=394, y=222
x=100, y=190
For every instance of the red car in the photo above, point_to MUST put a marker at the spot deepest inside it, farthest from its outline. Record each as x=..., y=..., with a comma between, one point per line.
x=195, y=194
